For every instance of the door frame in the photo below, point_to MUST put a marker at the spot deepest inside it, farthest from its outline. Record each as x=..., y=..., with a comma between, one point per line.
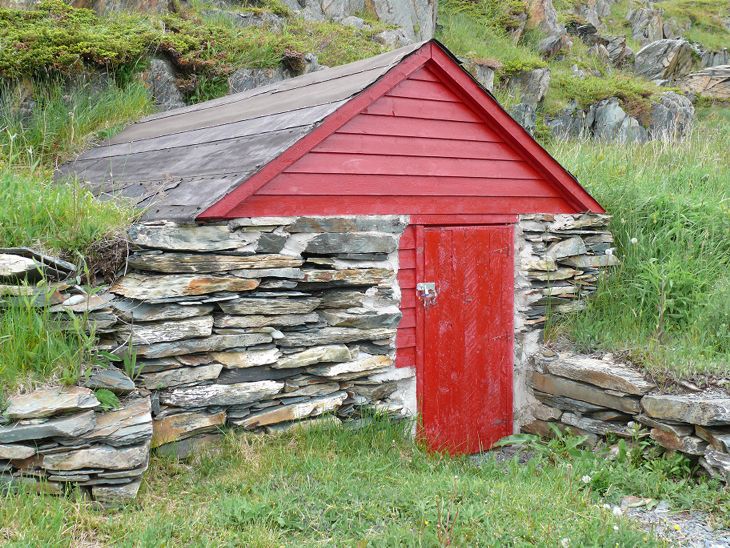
x=442, y=221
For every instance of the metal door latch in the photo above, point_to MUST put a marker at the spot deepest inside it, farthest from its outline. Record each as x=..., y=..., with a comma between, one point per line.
x=426, y=291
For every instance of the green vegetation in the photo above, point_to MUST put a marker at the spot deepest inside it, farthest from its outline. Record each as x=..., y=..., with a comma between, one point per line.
x=56, y=38
x=667, y=304
x=334, y=486
x=35, y=346
x=701, y=21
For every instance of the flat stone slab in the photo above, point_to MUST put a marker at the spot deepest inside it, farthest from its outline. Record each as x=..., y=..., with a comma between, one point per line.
x=14, y=267
x=136, y=311
x=174, y=237
x=35, y=429
x=50, y=401
x=221, y=394
x=262, y=305
x=349, y=276
x=144, y=287
x=594, y=426
x=112, y=379
x=691, y=445
x=362, y=319
x=334, y=335
x=351, y=242
x=352, y=369
x=214, y=343
x=129, y=425
x=293, y=412
x=176, y=427
x=180, y=263
x=559, y=386
x=692, y=409
x=115, y=494
x=100, y=456
x=718, y=437
x=247, y=358
x=381, y=223
x=606, y=374
x=311, y=356
x=258, y=320
x=166, y=331
x=182, y=376
x=16, y=452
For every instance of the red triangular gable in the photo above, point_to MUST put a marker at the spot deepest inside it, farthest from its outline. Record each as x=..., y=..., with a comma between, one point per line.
x=425, y=138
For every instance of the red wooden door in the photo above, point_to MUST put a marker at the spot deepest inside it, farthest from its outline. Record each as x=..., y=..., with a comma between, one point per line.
x=466, y=395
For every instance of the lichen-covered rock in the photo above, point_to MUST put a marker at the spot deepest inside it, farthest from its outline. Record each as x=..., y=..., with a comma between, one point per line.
x=705, y=410
x=558, y=386
x=16, y=452
x=143, y=287
x=160, y=80
x=690, y=445
x=297, y=411
x=672, y=117
x=183, y=425
x=602, y=373
x=111, y=495
x=600, y=427
x=131, y=424
x=525, y=115
x=175, y=237
x=531, y=85
x=717, y=437
x=110, y=378
x=182, y=376
x=609, y=122
x=242, y=359
x=336, y=335
x=221, y=394
x=352, y=369
x=319, y=354
x=541, y=15
x=647, y=24
x=665, y=60
x=358, y=242
x=36, y=429
x=157, y=332
x=619, y=52
x=50, y=401
x=104, y=457
x=273, y=305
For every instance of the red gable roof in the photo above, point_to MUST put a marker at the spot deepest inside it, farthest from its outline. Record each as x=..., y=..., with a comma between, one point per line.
x=367, y=155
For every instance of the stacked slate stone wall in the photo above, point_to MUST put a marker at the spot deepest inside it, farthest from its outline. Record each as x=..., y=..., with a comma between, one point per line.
x=558, y=262
x=601, y=397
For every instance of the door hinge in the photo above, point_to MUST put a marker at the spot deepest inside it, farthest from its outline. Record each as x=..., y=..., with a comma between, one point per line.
x=426, y=291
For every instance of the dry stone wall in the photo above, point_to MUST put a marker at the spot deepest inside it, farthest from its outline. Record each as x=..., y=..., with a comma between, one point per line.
x=601, y=397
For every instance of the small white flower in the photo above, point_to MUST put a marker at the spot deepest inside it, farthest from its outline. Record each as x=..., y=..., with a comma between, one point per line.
x=617, y=511
x=615, y=527
x=609, y=251
x=585, y=479
x=631, y=424
x=607, y=506
x=565, y=542
x=634, y=241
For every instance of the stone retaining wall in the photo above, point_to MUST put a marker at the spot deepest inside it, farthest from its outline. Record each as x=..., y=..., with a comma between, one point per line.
x=255, y=324
x=600, y=397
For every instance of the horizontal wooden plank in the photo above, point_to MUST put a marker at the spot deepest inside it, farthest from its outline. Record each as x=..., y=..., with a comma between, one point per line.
x=370, y=124
x=395, y=145
x=407, y=278
x=408, y=238
x=463, y=219
x=406, y=258
x=393, y=205
x=424, y=74
x=312, y=184
x=408, y=298
x=405, y=337
x=407, y=107
x=405, y=357
x=409, y=318
x=420, y=89
x=376, y=164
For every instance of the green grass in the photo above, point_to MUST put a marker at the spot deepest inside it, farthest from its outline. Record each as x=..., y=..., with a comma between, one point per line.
x=36, y=346
x=667, y=304
x=706, y=20
x=335, y=487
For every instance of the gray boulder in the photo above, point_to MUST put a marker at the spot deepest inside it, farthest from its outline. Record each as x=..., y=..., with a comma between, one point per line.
x=672, y=117
x=160, y=79
x=619, y=53
x=541, y=15
x=525, y=115
x=393, y=38
x=715, y=58
x=245, y=79
x=647, y=24
x=665, y=60
x=609, y=122
x=531, y=85
x=569, y=124
x=483, y=71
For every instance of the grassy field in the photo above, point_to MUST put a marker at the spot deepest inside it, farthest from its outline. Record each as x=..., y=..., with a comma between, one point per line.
x=668, y=304
x=373, y=486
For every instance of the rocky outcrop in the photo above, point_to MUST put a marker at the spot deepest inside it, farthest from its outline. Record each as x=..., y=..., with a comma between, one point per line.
x=160, y=80
x=712, y=82
x=715, y=58
x=416, y=18
x=672, y=118
x=245, y=79
x=605, y=121
x=595, y=398
x=647, y=24
x=665, y=60
x=541, y=15
x=530, y=85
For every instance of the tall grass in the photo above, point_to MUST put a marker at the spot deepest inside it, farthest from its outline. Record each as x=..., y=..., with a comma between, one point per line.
x=668, y=304
x=36, y=345
x=64, y=117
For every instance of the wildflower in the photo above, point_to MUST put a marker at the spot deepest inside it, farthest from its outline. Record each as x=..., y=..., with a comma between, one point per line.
x=565, y=542
x=609, y=251
x=426, y=522
x=634, y=241
x=617, y=511
x=677, y=527
x=615, y=527
x=607, y=506
x=585, y=479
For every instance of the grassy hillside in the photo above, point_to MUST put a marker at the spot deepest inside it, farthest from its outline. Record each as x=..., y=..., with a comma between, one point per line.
x=373, y=486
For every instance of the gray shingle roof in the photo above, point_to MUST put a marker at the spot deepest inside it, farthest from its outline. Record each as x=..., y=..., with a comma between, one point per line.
x=176, y=164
